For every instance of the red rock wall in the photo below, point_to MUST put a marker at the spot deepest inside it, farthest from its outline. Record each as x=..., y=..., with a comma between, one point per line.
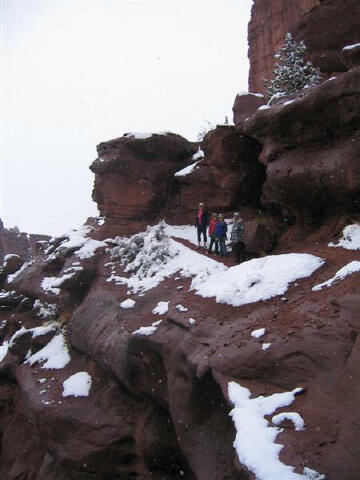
x=270, y=21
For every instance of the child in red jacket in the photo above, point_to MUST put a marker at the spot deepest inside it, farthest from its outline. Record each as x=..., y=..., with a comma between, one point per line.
x=211, y=230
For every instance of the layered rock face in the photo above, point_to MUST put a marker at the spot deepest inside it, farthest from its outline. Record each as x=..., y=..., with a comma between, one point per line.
x=229, y=176
x=134, y=176
x=270, y=21
x=311, y=147
x=326, y=30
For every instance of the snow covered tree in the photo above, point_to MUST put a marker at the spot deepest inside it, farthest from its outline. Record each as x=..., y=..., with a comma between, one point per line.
x=291, y=73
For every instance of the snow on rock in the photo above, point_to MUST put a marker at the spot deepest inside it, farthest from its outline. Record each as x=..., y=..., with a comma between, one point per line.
x=264, y=107
x=148, y=330
x=294, y=417
x=142, y=135
x=161, y=308
x=198, y=154
x=128, y=303
x=192, y=321
x=265, y=346
x=35, y=332
x=181, y=308
x=78, y=239
x=78, y=385
x=45, y=310
x=288, y=102
x=13, y=276
x=242, y=94
x=258, y=333
x=254, y=434
x=348, y=269
x=55, y=354
x=256, y=280
x=350, y=238
x=3, y=350
x=89, y=248
x=350, y=47
x=186, y=170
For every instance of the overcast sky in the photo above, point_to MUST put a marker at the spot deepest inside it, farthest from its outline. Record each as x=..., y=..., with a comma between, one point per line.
x=76, y=73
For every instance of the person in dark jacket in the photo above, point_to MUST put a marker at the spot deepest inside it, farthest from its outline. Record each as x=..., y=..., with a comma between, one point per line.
x=237, y=238
x=220, y=234
x=201, y=223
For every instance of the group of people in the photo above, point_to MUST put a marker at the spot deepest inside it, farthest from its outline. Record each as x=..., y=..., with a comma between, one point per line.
x=217, y=228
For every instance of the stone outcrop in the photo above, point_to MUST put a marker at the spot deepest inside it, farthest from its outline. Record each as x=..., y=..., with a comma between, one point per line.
x=311, y=147
x=229, y=176
x=134, y=177
x=20, y=243
x=270, y=21
x=326, y=30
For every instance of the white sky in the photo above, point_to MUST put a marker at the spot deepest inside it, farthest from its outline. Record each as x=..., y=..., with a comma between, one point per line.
x=76, y=73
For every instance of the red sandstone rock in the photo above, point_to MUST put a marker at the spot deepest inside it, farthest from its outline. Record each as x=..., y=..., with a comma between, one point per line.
x=311, y=147
x=270, y=21
x=326, y=30
x=245, y=105
x=134, y=177
x=351, y=56
x=229, y=176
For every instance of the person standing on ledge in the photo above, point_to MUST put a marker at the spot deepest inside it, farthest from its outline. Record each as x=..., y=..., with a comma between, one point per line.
x=237, y=238
x=201, y=223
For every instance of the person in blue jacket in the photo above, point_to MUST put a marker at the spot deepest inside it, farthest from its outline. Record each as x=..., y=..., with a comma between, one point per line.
x=220, y=234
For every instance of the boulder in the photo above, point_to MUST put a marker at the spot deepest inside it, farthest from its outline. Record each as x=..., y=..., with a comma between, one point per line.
x=12, y=263
x=259, y=236
x=135, y=176
x=245, y=105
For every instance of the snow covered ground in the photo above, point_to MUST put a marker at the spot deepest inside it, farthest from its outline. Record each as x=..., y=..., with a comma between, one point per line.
x=256, y=280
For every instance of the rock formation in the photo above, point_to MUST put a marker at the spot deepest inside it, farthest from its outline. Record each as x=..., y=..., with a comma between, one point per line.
x=20, y=243
x=158, y=350
x=270, y=21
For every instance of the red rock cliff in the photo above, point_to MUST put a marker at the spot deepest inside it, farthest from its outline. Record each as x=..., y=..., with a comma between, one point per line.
x=270, y=21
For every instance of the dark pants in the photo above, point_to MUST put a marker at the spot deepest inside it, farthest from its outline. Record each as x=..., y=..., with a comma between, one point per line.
x=239, y=249
x=222, y=245
x=212, y=241
x=201, y=229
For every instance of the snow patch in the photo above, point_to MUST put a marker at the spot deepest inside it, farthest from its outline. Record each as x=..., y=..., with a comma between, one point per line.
x=294, y=417
x=198, y=154
x=187, y=170
x=256, y=280
x=350, y=47
x=264, y=107
x=3, y=350
x=258, y=333
x=78, y=385
x=161, y=308
x=181, y=308
x=254, y=434
x=127, y=303
x=55, y=353
x=348, y=269
x=148, y=330
x=350, y=238
x=265, y=346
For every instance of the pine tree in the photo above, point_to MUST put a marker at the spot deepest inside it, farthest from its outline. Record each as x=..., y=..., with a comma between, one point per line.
x=292, y=73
